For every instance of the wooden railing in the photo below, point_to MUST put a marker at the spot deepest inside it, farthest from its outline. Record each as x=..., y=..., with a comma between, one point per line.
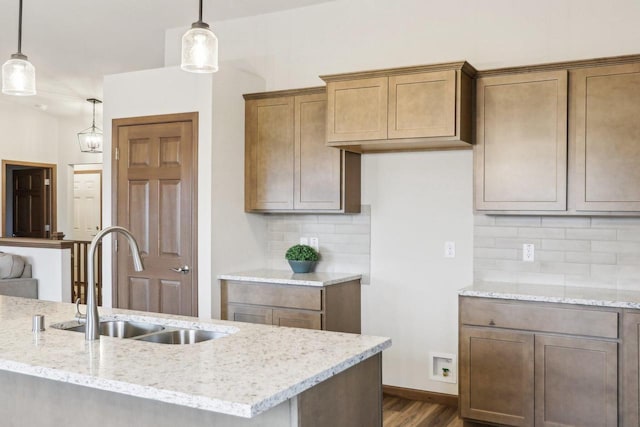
x=80, y=271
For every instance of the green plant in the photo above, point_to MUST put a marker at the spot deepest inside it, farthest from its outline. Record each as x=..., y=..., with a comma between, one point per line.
x=301, y=253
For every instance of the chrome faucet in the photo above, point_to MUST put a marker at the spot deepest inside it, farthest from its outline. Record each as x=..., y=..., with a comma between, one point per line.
x=92, y=327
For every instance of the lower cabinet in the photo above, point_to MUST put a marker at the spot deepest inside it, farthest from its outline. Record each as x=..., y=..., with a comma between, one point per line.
x=333, y=307
x=542, y=376
x=496, y=382
x=576, y=382
x=630, y=383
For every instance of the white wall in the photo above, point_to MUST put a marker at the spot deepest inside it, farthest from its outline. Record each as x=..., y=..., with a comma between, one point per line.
x=27, y=135
x=225, y=236
x=237, y=238
x=31, y=135
x=52, y=268
x=418, y=200
x=69, y=154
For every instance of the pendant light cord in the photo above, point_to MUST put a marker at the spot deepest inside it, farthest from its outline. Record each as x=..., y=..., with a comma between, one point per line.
x=93, y=125
x=20, y=29
x=199, y=16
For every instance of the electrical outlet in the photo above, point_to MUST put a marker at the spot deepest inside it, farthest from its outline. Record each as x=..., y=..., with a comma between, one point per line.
x=528, y=252
x=449, y=249
x=314, y=243
x=304, y=240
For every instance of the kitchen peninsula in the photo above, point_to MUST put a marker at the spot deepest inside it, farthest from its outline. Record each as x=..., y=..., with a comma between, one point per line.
x=255, y=375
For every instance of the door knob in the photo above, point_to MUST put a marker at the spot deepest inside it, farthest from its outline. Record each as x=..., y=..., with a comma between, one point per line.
x=184, y=269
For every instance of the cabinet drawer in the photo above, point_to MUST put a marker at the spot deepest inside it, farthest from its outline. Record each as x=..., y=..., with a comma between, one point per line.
x=297, y=319
x=306, y=298
x=248, y=314
x=537, y=317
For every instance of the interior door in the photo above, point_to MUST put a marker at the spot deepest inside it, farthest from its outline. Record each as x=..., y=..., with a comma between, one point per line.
x=86, y=204
x=29, y=203
x=156, y=199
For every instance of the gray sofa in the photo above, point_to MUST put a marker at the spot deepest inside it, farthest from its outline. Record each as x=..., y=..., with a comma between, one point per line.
x=21, y=286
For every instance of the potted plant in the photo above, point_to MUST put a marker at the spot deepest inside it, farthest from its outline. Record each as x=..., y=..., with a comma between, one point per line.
x=302, y=258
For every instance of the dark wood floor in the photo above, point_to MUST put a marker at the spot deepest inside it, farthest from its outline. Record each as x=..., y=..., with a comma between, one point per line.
x=398, y=412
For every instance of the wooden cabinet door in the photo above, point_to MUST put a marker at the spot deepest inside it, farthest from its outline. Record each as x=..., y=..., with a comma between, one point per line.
x=606, y=134
x=521, y=145
x=297, y=319
x=496, y=376
x=357, y=109
x=269, y=154
x=576, y=382
x=317, y=167
x=422, y=105
x=630, y=370
x=249, y=314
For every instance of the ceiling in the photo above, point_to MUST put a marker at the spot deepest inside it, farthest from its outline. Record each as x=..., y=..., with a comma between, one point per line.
x=74, y=43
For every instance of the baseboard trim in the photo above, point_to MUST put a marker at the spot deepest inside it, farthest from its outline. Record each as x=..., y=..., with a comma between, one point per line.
x=422, y=395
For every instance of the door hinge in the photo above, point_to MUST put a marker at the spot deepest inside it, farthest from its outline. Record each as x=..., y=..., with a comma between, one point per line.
x=115, y=244
x=47, y=227
x=117, y=153
x=47, y=181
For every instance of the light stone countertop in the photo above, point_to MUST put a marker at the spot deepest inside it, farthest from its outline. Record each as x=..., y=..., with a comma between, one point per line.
x=556, y=294
x=286, y=277
x=251, y=370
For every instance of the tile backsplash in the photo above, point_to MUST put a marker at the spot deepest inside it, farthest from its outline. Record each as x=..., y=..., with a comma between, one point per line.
x=602, y=252
x=345, y=240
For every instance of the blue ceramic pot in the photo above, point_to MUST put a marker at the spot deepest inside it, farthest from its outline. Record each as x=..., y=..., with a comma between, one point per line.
x=301, y=266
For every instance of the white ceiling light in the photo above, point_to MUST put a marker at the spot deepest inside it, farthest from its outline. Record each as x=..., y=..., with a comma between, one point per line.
x=18, y=74
x=90, y=139
x=199, y=48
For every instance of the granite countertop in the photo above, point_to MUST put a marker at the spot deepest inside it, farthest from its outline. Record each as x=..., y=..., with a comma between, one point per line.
x=251, y=370
x=286, y=277
x=557, y=294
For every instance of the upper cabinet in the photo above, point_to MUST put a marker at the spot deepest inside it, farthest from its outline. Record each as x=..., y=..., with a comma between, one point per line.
x=288, y=167
x=606, y=132
x=521, y=143
x=413, y=108
x=559, y=139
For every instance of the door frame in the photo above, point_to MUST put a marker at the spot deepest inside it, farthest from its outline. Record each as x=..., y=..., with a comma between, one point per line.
x=53, y=205
x=92, y=171
x=115, y=145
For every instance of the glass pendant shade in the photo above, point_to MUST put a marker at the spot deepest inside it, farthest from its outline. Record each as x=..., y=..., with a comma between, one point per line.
x=90, y=139
x=18, y=76
x=200, y=50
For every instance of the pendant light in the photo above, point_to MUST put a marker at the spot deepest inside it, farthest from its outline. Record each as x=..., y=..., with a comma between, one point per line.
x=18, y=74
x=199, y=48
x=90, y=139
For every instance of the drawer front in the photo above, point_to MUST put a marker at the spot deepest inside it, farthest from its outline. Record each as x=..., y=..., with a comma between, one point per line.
x=248, y=314
x=297, y=319
x=537, y=317
x=306, y=298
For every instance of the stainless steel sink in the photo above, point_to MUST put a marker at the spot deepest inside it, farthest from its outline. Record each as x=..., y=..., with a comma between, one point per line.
x=142, y=331
x=122, y=328
x=182, y=336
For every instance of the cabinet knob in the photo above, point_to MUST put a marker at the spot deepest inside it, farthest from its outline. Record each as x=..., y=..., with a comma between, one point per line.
x=492, y=323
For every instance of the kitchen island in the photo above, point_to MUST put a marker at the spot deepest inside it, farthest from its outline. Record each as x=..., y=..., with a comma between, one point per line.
x=256, y=375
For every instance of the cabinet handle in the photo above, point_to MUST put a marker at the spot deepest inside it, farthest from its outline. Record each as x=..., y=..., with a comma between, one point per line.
x=492, y=323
